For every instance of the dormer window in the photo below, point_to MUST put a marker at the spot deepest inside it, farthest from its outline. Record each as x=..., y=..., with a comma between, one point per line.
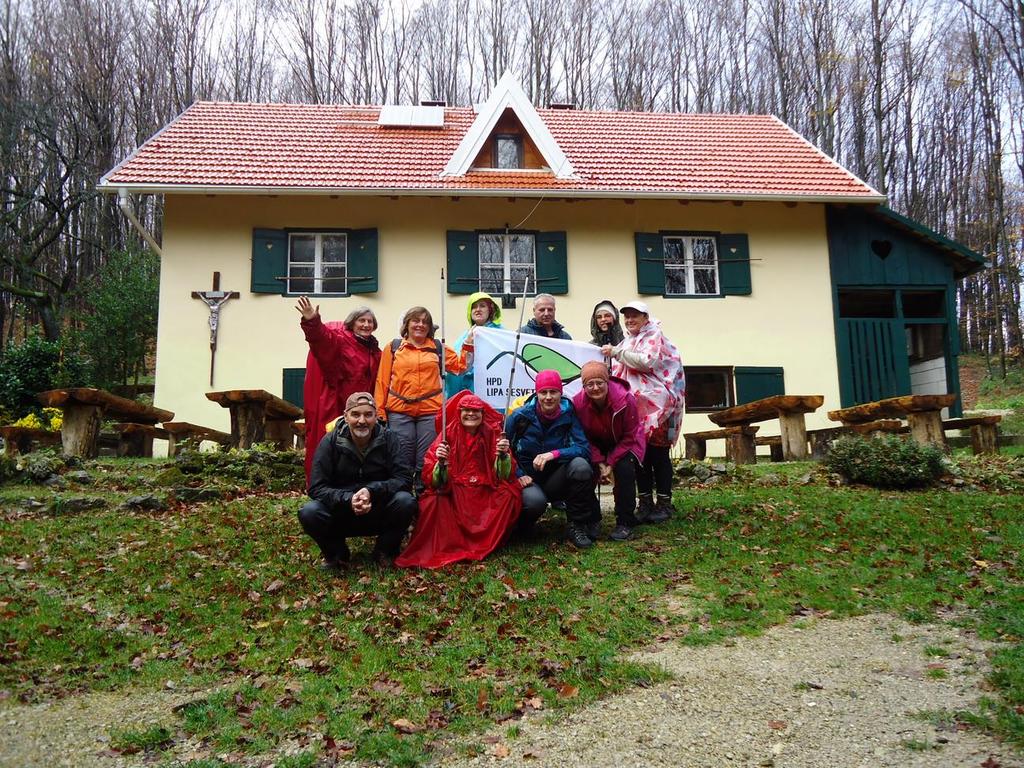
x=508, y=151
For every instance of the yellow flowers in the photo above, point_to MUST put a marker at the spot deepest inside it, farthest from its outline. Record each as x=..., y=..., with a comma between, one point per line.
x=51, y=420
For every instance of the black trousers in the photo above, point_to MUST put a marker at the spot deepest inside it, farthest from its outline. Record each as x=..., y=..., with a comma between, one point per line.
x=571, y=482
x=656, y=471
x=330, y=527
x=625, y=474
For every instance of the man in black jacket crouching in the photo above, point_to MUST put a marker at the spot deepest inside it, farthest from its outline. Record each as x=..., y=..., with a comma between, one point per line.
x=359, y=487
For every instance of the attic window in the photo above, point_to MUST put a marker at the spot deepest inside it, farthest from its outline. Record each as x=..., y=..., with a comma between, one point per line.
x=508, y=151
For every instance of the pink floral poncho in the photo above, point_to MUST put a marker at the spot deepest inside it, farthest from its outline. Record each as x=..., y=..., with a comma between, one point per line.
x=654, y=370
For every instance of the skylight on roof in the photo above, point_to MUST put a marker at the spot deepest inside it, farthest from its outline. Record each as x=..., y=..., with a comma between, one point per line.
x=411, y=116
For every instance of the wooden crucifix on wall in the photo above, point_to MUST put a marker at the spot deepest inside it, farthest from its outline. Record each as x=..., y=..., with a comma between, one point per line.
x=214, y=299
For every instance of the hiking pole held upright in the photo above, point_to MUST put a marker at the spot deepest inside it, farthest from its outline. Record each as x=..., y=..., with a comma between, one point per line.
x=515, y=352
x=443, y=474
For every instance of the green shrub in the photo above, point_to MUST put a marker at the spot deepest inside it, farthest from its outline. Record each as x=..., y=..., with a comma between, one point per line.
x=886, y=462
x=36, y=365
x=119, y=327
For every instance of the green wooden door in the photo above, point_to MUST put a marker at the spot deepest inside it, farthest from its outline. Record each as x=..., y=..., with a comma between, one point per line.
x=873, y=360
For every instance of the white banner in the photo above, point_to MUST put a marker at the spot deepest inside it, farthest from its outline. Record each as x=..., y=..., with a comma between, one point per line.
x=492, y=363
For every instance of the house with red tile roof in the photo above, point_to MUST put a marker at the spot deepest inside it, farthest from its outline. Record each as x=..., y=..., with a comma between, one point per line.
x=773, y=268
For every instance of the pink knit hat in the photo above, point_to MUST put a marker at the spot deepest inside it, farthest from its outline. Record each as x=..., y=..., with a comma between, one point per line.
x=549, y=380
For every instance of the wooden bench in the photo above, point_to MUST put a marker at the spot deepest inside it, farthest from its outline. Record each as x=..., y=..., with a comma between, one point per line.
x=177, y=431
x=23, y=439
x=85, y=408
x=922, y=412
x=790, y=410
x=820, y=439
x=739, y=443
x=256, y=416
x=137, y=439
x=299, y=430
x=984, y=431
x=774, y=443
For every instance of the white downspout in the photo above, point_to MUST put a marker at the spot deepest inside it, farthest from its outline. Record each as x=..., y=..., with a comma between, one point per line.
x=125, y=204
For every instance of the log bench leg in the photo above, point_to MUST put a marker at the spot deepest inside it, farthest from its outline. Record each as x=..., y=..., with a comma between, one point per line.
x=80, y=432
x=777, y=452
x=793, y=429
x=740, y=448
x=248, y=424
x=279, y=432
x=16, y=445
x=135, y=444
x=984, y=438
x=926, y=429
x=696, y=449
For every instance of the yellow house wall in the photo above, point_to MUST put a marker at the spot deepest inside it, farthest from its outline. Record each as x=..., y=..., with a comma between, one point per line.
x=787, y=321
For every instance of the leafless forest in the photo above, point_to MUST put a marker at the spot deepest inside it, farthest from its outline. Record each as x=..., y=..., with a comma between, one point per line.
x=924, y=100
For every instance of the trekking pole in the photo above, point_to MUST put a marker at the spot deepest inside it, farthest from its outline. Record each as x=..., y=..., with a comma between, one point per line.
x=444, y=387
x=515, y=353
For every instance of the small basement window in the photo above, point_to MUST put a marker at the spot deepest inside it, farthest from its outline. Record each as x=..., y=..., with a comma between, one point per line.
x=708, y=389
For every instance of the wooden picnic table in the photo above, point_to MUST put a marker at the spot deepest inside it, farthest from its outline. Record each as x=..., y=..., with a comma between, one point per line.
x=21, y=439
x=258, y=415
x=85, y=408
x=788, y=409
x=922, y=412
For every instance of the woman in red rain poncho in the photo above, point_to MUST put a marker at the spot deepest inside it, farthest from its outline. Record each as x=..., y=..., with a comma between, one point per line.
x=473, y=499
x=343, y=358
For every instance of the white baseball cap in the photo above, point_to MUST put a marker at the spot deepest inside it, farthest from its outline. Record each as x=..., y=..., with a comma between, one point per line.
x=637, y=306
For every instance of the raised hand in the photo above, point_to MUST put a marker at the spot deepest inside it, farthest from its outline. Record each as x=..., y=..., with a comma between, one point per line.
x=306, y=308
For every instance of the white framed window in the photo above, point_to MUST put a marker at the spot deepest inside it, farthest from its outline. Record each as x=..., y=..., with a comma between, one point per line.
x=506, y=261
x=691, y=265
x=508, y=151
x=318, y=263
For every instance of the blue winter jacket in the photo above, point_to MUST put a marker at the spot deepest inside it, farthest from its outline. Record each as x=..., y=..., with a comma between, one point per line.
x=530, y=436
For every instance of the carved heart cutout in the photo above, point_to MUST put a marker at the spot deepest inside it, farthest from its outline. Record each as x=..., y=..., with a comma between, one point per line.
x=881, y=248
x=551, y=248
x=462, y=247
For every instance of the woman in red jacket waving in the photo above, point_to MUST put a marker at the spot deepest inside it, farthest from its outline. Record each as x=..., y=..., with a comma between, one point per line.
x=343, y=358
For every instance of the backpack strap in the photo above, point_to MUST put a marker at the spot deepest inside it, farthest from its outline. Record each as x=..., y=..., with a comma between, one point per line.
x=439, y=351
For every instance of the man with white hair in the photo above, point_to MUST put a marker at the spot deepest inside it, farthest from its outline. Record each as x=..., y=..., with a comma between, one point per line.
x=543, y=322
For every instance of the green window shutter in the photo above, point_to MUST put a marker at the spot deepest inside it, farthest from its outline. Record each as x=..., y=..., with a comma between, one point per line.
x=753, y=383
x=463, y=262
x=734, y=265
x=362, y=261
x=293, y=381
x=650, y=263
x=552, y=263
x=269, y=260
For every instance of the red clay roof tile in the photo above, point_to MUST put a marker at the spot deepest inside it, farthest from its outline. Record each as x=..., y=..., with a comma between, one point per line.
x=310, y=147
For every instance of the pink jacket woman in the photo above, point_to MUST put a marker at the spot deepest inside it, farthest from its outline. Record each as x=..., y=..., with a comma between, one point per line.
x=627, y=431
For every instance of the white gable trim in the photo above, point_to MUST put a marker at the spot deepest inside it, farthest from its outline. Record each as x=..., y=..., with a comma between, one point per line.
x=507, y=93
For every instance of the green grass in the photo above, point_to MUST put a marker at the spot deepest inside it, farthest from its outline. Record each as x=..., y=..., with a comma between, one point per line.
x=1007, y=393
x=390, y=662
x=131, y=740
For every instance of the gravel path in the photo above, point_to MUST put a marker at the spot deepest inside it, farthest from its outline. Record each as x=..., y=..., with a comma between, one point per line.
x=836, y=693
x=821, y=693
